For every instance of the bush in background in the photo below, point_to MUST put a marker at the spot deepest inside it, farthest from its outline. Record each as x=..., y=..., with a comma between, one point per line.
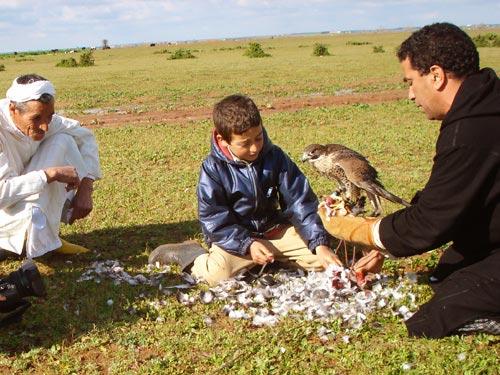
x=486, y=40
x=67, y=63
x=320, y=50
x=378, y=49
x=254, y=49
x=354, y=43
x=86, y=59
x=181, y=53
x=2, y=67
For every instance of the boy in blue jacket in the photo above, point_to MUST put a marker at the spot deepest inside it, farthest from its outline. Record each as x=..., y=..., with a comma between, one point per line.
x=254, y=204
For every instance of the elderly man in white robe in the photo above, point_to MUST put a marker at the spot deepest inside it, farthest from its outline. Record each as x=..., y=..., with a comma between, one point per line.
x=48, y=164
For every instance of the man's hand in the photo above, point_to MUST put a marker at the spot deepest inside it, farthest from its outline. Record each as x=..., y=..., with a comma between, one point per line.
x=66, y=174
x=327, y=256
x=372, y=262
x=82, y=202
x=353, y=229
x=260, y=253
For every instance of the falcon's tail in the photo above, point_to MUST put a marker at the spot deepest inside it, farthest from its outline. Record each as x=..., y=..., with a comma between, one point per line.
x=380, y=191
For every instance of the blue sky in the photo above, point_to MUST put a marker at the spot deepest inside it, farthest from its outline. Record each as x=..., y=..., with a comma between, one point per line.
x=46, y=24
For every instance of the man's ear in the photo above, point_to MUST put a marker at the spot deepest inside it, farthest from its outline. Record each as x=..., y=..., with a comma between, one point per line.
x=12, y=108
x=438, y=76
x=221, y=140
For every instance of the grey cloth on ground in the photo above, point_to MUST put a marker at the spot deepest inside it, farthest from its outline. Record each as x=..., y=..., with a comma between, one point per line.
x=183, y=253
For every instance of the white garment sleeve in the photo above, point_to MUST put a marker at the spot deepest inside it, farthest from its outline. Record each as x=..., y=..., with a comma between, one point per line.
x=378, y=242
x=84, y=139
x=13, y=189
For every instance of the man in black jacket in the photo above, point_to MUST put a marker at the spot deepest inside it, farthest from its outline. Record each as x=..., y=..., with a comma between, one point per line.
x=461, y=201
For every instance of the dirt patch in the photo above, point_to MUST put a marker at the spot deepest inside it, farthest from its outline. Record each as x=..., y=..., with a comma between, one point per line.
x=120, y=118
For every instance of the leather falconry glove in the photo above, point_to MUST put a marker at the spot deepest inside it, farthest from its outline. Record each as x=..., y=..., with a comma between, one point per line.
x=357, y=230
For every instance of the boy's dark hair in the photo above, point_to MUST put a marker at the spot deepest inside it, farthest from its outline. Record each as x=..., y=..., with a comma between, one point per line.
x=441, y=44
x=235, y=114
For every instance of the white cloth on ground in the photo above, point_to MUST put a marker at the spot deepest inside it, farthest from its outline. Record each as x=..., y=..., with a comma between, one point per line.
x=24, y=191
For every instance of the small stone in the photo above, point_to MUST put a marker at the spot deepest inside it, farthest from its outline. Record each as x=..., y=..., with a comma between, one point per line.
x=406, y=366
x=461, y=356
x=109, y=302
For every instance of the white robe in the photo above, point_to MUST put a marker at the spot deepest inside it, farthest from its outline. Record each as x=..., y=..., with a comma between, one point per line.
x=28, y=205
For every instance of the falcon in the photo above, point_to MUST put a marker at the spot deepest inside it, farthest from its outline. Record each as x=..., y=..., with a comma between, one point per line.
x=352, y=171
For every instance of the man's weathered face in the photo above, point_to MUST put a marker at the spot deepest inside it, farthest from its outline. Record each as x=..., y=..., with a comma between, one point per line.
x=34, y=120
x=423, y=90
x=248, y=145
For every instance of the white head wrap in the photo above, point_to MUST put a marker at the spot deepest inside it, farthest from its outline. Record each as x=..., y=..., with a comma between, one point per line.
x=30, y=91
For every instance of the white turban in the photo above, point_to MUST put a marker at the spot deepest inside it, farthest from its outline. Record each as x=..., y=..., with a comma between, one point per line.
x=30, y=91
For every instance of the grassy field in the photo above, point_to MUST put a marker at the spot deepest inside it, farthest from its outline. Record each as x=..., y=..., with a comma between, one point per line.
x=147, y=198
x=138, y=79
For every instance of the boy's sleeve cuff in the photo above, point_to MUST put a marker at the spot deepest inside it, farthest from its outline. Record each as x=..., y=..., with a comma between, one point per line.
x=322, y=240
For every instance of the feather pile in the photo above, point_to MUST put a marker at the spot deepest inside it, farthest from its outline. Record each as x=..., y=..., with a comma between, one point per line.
x=319, y=296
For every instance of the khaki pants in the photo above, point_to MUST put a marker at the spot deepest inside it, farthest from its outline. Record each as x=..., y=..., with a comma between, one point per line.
x=287, y=246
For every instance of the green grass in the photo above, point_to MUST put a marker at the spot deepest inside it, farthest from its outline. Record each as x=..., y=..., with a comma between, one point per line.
x=132, y=78
x=147, y=197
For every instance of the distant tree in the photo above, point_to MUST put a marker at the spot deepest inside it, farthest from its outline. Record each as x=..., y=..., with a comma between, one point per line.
x=320, y=50
x=105, y=44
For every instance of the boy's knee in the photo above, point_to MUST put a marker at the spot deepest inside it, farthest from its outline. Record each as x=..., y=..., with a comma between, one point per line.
x=211, y=269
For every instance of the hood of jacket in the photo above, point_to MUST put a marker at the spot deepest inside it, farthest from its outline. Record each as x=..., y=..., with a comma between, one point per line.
x=479, y=95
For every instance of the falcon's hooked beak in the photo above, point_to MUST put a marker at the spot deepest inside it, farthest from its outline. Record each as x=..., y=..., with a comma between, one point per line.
x=306, y=157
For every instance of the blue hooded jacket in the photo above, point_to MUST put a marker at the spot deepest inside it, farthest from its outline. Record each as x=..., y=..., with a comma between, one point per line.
x=239, y=201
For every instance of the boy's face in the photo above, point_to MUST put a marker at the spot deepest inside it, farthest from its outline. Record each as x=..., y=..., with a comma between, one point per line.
x=248, y=145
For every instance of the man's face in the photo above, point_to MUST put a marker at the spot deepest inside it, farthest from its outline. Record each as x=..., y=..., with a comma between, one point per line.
x=248, y=145
x=34, y=120
x=423, y=90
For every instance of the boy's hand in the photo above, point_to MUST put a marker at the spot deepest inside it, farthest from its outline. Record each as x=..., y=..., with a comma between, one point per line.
x=260, y=253
x=327, y=256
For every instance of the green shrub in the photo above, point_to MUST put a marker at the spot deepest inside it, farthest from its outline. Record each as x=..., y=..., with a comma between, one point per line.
x=378, y=49
x=161, y=52
x=255, y=50
x=181, y=54
x=2, y=67
x=86, y=59
x=67, y=63
x=486, y=40
x=354, y=43
x=320, y=50
x=24, y=59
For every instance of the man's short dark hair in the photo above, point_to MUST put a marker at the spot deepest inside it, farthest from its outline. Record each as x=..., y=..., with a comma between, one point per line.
x=235, y=114
x=441, y=44
x=29, y=78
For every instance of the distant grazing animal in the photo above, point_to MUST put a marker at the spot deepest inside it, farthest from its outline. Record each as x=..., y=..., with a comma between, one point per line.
x=352, y=171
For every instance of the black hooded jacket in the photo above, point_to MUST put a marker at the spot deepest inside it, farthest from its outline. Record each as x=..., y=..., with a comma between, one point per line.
x=461, y=201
